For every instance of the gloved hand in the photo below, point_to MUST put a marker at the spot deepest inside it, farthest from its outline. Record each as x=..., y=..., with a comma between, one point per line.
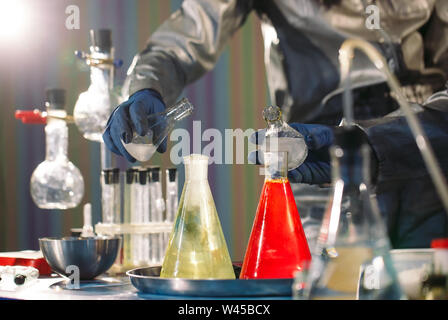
x=317, y=168
x=132, y=115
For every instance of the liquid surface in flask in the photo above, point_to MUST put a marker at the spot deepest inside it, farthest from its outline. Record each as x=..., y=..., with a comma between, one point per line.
x=197, y=248
x=277, y=246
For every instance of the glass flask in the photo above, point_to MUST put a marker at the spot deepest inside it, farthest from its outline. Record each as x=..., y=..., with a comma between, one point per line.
x=160, y=124
x=277, y=245
x=197, y=248
x=279, y=136
x=56, y=183
x=352, y=259
x=94, y=106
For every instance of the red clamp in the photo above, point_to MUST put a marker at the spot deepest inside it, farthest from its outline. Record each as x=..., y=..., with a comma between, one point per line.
x=31, y=116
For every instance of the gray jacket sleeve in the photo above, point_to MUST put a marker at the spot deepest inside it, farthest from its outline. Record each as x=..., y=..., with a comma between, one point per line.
x=436, y=37
x=394, y=145
x=185, y=46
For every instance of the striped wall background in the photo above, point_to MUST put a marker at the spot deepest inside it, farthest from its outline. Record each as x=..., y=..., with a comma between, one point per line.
x=231, y=96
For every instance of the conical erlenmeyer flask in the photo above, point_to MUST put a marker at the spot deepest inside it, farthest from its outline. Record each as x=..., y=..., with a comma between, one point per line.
x=160, y=124
x=197, y=248
x=277, y=245
x=352, y=258
x=279, y=136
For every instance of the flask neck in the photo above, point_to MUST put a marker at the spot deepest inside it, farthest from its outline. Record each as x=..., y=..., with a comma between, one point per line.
x=196, y=167
x=56, y=137
x=275, y=165
x=274, y=124
x=180, y=110
x=101, y=78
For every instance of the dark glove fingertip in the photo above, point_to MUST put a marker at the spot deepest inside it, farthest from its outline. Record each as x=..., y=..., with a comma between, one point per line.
x=295, y=176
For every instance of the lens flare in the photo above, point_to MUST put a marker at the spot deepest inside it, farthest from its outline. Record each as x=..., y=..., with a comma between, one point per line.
x=14, y=17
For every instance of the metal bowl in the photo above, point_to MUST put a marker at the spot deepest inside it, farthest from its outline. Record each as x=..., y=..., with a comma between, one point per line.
x=93, y=256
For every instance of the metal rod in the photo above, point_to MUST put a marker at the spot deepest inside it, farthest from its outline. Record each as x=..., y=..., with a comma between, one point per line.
x=346, y=55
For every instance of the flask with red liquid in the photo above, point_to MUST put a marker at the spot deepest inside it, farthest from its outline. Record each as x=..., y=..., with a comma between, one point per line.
x=277, y=246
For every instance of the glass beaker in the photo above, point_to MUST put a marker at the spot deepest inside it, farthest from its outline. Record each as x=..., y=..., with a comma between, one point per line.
x=56, y=183
x=160, y=124
x=280, y=137
x=277, y=245
x=352, y=259
x=197, y=248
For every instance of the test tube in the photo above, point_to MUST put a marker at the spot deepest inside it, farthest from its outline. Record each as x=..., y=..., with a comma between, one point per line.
x=157, y=209
x=134, y=213
x=110, y=196
x=127, y=214
x=144, y=213
x=117, y=196
x=172, y=199
x=171, y=194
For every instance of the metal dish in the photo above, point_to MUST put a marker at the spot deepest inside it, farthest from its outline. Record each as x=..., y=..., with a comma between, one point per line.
x=93, y=256
x=147, y=280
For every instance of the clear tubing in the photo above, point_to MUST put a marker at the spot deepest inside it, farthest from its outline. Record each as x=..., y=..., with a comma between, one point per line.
x=346, y=55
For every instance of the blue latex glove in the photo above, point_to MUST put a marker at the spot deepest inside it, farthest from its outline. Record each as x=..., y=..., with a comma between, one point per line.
x=317, y=168
x=132, y=114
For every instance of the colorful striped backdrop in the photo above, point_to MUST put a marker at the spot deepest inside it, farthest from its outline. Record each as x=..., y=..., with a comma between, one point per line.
x=231, y=96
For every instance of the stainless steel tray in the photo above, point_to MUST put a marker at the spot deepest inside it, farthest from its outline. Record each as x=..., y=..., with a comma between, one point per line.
x=147, y=280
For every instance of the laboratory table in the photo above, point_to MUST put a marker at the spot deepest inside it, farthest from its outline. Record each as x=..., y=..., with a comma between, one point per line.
x=54, y=288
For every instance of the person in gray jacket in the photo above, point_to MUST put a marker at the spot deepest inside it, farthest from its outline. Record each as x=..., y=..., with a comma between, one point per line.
x=301, y=41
